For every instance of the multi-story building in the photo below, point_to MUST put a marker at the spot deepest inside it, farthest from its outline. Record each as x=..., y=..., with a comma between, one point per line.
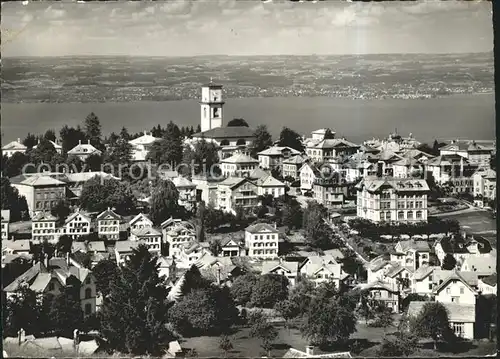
x=273, y=157
x=308, y=174
x=238, y=165
x=191, y=253
x=108, y=225
x=392, y=200
x=411, y=253
x=453, y=170
x=231, y=248
x=330, y=192
x=187, y=192
x=488, y=285
x=12, y=147
x=5, y=224
x=211, y=106
x=477, y=152
x=141, y=146
x=292, y=166
x=43, y=227
x=270, y=186
x=177, y=234
x=382, y=293
x=261, y=240
x=84, y=150
x=77, y=225
x=42, y=192
x=485, y=187
x=235, y=192
x=52, y=276
x=329, y=149
x=149, y=236
x=140, y=221
x=321, y=269
x=124, y=249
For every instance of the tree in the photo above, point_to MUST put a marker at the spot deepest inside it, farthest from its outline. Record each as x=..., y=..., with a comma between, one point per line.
x=292, y=215
x=64, y=244
x=169, y=150
x=134, y=314
x=75, y=164
x=261, y=328
x=205, y=311
x=213, y=218
x=22, y=312
x=237, y=122
x=98, y=194
x=124, y=135
x=269, y=289
x=119, y=154
x=70, y=137
x=449, y=262
x=330, y=317
x=50, y=135
x=14, y=164
x=164, y=202
x=215, y=247
x=433, y=322
x=203, y=159
x=403, y=344
x=242, y=287
x=263, y=139
x=61, y=210
x=66, y=310
x=93, y=129
x=30, y=141
x=11, y=200
x=290, y=138
x=225, y=344
x=94, y=162
x=317, y=232
x=105, y=272
x=43, y=153
x=329, y=135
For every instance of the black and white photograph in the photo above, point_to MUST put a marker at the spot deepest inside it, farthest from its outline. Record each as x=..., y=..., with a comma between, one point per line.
x=248, y=179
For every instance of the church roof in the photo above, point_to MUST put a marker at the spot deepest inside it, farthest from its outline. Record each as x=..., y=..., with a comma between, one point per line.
x=226, y=132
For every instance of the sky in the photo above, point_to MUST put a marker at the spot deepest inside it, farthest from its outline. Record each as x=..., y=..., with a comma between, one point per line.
x=244, y=27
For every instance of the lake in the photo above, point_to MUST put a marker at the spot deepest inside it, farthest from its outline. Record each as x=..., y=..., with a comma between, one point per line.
x=457, y=116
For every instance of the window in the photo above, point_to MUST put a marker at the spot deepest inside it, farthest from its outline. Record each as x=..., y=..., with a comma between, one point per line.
x=455, y=299
x=51, y=286
x=88, y=309
x=88, y=293
x=458, y=329
x=448, y=290
x=401, y=215
x=419, y=214
x=88, y=281
x=461, y=290
x=430, y=286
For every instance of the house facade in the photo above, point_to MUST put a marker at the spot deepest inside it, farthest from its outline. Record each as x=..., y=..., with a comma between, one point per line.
x=42, y=192
x=140, y=221
x=235, y=192
x=291, y=166
x=77, y=225
x=187, y=192
x=43, y=227
x=261, y=241
x=149, y=236
x=5, y=224
x=108, y=225
x=238, y=165
x=141, y=146
x=178, y=235
x=84, y=151
x=274, y=157
x=12, y=147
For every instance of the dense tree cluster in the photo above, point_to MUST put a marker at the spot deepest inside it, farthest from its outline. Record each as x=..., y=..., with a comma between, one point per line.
x=263, y=140
x=98, y=194
x=13, y=201
x=259, y=291
x=292, y=139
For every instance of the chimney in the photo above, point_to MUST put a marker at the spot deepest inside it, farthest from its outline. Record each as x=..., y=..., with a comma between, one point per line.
x=145, y=133
x=76, y=340
x=46, y=260
x=67, y=259
x=18, y=140
x=310, y=350
x=88, y=142
x=79, y=142
x=21, y=336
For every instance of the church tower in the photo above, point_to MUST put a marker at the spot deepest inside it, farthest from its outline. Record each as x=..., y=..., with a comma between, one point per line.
x=211, y=106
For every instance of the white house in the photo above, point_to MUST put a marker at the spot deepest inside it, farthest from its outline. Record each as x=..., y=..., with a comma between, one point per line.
x=236, y=192
x=261, y=240
x=238, y=165
x=84, y=150
x=177, y=235
x=280, y=267
x=485, y=186
x=187, y=192
x=321, y=269
x=140, y=221
x=308, y=173
x=141, y=146
x=124, y=249
x=488, y=285
x=292, y=166
x=108, y=225
x=483, y=265
x=5, y=224
x=12, y=147
x=77, y=225
x=270, y=186
x=43, y=227
x=150, y=236
x=57, y=146
x=273, y=157
x=191, y=253
x=231, y=247
x=411, y=253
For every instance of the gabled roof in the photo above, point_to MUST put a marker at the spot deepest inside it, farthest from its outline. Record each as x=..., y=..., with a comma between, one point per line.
x=108, y=214
x=261, y=227
x=269, y=266
x=485, y=264
x=454, y=276
x=269, y=181
x=295, y=160
x=182, y=182
x=18, y=245
x=36, y=180
x=278, y=151
x=240, y=158
x=394, y=271
x=92, y=246
x=314, y=169
x=490, y=280
x=418, y=246
x=456, y=312
x=43, y=216
x=258, y=173
x=424, y=271
x=227, y=132
x=74, y=214
x=377, y=285
x=488, y=174
x=399, y=184
x=83, y=148
x=79, y=177
x=378, y=263
x=146, y=231
x=233, y=182
x=56, y=146
x=5, y=215
x=126, y=246
x=335, y=143
x=139, y=217
x=15, y=145
x=145, y=139
x=448, y=160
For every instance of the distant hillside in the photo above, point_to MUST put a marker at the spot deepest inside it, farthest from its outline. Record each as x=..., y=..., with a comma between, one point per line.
x=117, y=79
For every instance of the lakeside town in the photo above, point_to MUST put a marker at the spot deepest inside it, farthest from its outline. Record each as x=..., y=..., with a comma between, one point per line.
x=222, y=240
